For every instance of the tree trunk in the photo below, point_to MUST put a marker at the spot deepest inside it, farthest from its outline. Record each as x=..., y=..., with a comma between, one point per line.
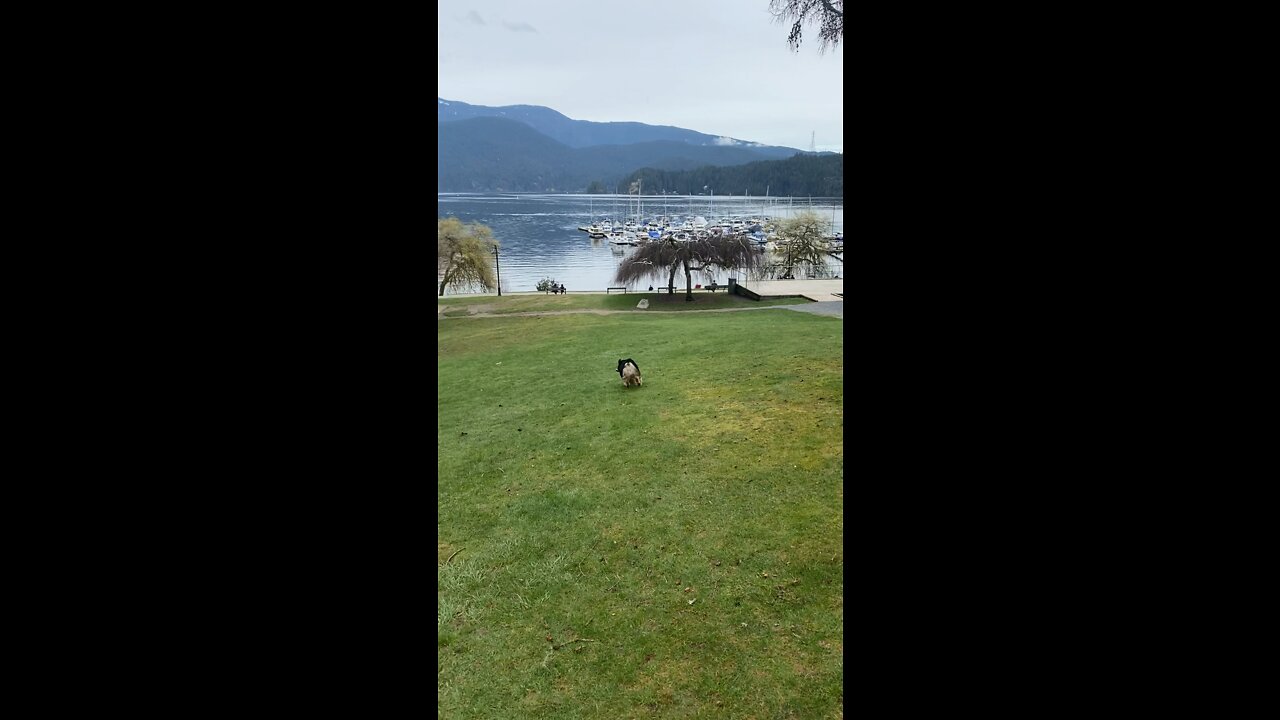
x=671, y=281
x=444, y=280
x=688, y=284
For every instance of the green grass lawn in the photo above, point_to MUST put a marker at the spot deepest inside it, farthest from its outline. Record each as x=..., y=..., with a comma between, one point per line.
x=668, y=551
x=702, y=300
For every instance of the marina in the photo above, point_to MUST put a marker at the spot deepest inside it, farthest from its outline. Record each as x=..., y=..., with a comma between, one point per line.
x=579, y=240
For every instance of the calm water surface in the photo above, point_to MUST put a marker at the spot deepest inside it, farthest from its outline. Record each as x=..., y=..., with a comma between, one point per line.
x=539, y=234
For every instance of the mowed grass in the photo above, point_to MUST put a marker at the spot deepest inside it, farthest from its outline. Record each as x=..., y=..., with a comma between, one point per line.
x=702, y=300
x=686, y=534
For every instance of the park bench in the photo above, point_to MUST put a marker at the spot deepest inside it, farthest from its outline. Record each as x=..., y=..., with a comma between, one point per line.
x=608, y=290
x=672, y=290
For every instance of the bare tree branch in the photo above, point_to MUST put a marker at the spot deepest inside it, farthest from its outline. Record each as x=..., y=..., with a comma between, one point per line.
x=828, y=15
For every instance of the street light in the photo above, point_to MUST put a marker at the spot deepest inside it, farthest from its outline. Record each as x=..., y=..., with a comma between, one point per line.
x=498, y=268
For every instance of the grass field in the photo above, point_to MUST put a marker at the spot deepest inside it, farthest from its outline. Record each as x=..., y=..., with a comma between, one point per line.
x=668, y=551
x=459, y=306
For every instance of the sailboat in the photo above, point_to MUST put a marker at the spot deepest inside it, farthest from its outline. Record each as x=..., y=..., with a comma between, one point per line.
x=590, y=218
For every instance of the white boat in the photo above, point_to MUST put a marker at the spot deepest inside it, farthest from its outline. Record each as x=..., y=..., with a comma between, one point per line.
x=628, y=238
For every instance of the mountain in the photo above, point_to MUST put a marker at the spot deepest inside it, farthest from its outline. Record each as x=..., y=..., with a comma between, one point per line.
x=585, y=133
x=798, y=176
x=487, y=153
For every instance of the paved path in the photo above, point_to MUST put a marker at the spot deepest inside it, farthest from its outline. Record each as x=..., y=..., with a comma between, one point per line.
x=831, y=309
x=820, y=290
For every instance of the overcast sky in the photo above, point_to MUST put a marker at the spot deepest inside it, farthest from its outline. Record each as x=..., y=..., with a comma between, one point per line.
x=720, y=67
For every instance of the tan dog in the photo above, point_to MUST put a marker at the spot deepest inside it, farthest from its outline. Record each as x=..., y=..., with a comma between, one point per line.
x=630, y=373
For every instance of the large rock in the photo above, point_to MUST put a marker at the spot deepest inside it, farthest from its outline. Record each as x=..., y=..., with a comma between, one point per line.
x=644, y=304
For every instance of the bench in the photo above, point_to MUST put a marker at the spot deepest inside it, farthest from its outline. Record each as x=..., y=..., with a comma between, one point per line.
x=608, y=290
x=673, y=290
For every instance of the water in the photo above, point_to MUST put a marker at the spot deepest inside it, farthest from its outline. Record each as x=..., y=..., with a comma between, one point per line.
x=539, y=235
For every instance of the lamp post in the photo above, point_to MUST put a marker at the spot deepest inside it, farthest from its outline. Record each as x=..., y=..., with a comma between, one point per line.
x=498, y=268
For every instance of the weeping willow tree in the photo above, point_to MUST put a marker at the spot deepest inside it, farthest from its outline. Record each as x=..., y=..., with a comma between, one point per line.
x=463, y=259
x=667, y=257
x=803, y=239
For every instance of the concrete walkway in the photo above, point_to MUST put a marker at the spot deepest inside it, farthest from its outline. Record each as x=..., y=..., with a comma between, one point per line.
x=817, y=290
x=832, y=308
x=822, y=292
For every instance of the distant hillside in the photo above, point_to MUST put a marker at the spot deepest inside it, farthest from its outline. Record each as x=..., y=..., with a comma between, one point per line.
x=497, y=154
x=799, y=176
x=585, y=133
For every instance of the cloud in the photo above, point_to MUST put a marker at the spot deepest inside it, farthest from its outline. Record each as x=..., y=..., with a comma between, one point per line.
x=518, y=26
x=474, y=17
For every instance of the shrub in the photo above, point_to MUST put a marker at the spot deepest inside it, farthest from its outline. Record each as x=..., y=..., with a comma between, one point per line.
x=545, y=284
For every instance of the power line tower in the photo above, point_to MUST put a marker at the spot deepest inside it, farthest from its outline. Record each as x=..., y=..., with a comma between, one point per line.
x=812, y=147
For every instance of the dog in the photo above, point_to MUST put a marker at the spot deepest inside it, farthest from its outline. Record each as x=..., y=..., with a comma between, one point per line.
x=630, y=373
